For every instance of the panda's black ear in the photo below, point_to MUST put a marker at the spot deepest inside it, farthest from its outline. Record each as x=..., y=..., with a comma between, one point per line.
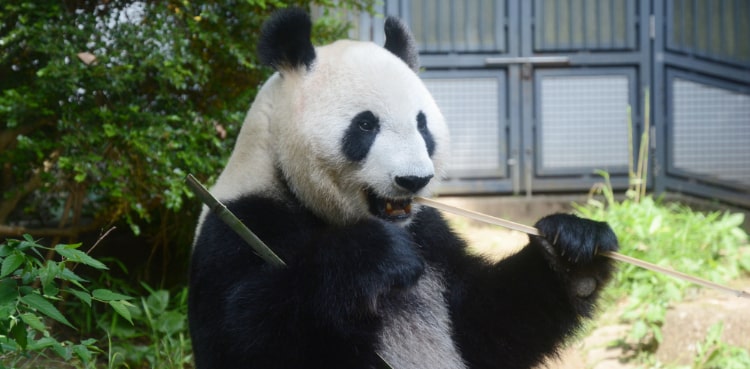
x=285, y=40
x=399, y=41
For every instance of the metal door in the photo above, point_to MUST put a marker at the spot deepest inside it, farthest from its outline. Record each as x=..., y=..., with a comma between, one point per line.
x=535, y=92
x=702, y=68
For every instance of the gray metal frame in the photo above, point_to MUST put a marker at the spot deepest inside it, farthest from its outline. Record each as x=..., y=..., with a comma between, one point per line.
x=636, y=57
x=672, y=169
x=672, y=60
x=503, y=139
x=542, y=171
x=650, y=41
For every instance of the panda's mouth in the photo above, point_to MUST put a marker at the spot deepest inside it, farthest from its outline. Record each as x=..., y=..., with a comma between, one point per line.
x=389, y=209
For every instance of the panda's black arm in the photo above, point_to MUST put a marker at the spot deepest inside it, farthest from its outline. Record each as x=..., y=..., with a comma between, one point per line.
x=514, y=313
x=319, y=310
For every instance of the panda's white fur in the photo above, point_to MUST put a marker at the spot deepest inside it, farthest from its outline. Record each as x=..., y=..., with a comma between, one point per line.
x=360, y=280
x=304, y=140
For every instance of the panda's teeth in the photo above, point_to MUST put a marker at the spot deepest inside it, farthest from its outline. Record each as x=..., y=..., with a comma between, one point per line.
x=399, y=209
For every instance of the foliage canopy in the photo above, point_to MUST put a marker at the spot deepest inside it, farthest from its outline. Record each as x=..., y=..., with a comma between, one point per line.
x=105, y=106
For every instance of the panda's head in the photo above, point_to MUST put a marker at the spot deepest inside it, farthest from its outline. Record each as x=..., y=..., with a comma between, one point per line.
x=354, y=131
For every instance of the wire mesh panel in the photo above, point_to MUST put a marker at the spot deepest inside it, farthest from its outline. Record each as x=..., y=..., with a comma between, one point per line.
x=711, y=132
x=582, y=123
x=472, y=107
x=584, y=24
x=714, y=29
x=458, y=25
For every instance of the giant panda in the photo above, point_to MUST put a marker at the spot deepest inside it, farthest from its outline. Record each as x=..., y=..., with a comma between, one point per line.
x=333, y=150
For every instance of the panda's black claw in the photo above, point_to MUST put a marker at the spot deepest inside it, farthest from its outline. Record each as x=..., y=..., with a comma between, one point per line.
x=577, y=240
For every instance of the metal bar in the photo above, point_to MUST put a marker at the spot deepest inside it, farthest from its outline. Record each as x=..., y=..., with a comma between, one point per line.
x=736, y=32
x=694, y=14
x=584, y=23
x=630, y=23
x=709, y=27
x=557, y=26
x=598, y=24
x=499, y=13
x=467, y=26
x=540, y=24
x=722, y=35
x=545, y=60
x=425, y=26
x=569, y=20
x=438, y=38
x=612, y=27
x=480, y=24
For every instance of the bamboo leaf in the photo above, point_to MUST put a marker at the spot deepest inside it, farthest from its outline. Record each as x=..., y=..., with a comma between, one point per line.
x=11, y=263
x=121, y=308
x=79, y=256
x=107, y=295
x=45, y=307
x=81, y=295
x=33, y=321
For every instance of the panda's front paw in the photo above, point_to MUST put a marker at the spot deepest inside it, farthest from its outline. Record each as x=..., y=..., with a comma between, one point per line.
x=402, y=265
x=576, y=240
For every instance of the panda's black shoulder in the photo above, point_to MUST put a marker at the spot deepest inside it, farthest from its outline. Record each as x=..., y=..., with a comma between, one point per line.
x=272, y=220
x=437, y=239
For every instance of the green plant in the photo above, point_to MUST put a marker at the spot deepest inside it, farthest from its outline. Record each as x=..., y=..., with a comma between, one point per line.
x=159, y=337
x=105, y=106
x=708, y=245
x=713, y=353
x=30, y=288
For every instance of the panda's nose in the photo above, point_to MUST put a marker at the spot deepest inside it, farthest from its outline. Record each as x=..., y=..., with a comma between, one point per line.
x=412, y=183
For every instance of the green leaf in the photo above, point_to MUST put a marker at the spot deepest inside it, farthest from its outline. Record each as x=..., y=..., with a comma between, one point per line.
x=45, y=307
x=33, y=321
x=83, y=353
x=107, y=295
x=158, y=301
x=121, y=307
x=81, y=295
x=79, y=256
x=8, y=291
x=18, y=333
x=109, y=130
x=11, y=263
x=170, y=322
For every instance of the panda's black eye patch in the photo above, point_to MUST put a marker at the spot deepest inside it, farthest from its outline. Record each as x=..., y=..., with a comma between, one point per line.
x=367, y=121
x=360, y=135
x=421, y=121
x=429, y=142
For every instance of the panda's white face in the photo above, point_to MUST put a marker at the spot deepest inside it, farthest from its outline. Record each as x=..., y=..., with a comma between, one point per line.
x=358, y=134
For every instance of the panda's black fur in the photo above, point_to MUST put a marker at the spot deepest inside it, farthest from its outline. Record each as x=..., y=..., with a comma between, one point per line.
x=402, y=287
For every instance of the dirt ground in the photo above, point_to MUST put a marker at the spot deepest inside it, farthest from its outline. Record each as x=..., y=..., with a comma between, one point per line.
x=686, y=323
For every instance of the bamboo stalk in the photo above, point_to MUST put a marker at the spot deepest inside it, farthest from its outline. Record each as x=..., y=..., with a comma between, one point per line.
x=260, y=248
x=610, y=254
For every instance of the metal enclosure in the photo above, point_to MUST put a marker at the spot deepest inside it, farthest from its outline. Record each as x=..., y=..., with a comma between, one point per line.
x=537, y=94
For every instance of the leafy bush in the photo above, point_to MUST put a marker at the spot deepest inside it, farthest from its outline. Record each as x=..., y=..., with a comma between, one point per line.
x=711, y=245
x=715, y=354
x=159, y=337
x=105, y=106
x=31, y=285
